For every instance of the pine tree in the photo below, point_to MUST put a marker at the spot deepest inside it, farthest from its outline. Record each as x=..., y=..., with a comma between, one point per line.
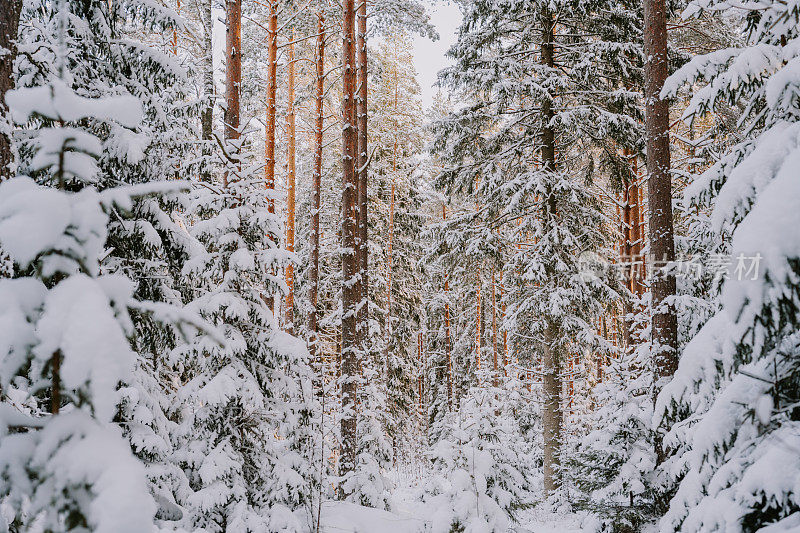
x=730, y=405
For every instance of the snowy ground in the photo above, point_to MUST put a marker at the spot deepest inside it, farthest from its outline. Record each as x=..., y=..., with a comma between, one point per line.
x=409, y=515
x=341, y=517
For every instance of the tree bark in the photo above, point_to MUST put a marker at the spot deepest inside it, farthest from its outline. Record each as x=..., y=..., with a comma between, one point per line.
x=10, y=11
x=350, y=350
x=551, y=414
x=207, y=115
x=390, y=242
x=478, y=325
x=313, y=318
x=361, y=110
x=269, y=133
x=551, y=364
x=495, y=376
x=290, y=200
x=447, y=342
x=659, y=188
x=233, y=68
x=272, y=90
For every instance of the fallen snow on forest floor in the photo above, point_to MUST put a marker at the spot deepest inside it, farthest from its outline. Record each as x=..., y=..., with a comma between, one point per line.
x=409, y=514
x=343, y=517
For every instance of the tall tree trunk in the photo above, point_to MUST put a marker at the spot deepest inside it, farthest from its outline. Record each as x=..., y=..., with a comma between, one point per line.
x=9, y=26
x=659, y=185
x=390, y=242
x=505, y=331
x=361, y=111
x=350, y=351
x=420, y=377
x=207, y=116
x=478, y=324
x=233, y=71
x=551, y=364
x=272, y=90
x=495, y=378
x=313, y=318
x=175, y=33
x=290, y=200
x=447, y=342
x=269, y=134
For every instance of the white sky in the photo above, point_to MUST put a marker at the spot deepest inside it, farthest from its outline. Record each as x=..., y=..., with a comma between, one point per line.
x=429, y=56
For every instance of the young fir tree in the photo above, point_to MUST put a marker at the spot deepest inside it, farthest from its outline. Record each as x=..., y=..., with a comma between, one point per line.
x=101, y=49
x=731, y=405
x=245, y=405
x=66, y=327
x=480, y=475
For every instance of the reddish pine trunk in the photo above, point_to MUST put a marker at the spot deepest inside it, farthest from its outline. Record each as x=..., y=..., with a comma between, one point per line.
x=447, y=342
x=659, y=188
x=361, y=111
x=272, y=89
x=349, y=260
x=290, y=200
x=9, y=25
x=494, y=334
x=316, y=185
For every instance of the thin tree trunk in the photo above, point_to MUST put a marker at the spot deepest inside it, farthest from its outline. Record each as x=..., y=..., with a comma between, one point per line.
x=478, y=324
x=269, y=134
x=421, y=377
x=494, y=335
x=659, y=185
x=313, y=318
x=55, y=387
x=349, y=260
x=272, y=90
x=9, y=26
x=390, y=242
x=551, y=364
x=175, y=33
x=447, y=342
x=233, y=71
x=361, y=111
x=290, y=200
x=505, y=331
x=207, y=116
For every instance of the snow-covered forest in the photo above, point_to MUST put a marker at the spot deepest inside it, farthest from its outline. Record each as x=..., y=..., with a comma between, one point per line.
x=250, y=283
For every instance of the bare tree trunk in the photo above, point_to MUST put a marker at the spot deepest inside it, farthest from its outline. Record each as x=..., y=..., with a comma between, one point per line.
x=175, y=33
x=207, y=115
x=269, y=134
x=233, y=70
x=350, y=350
x=551, y=364
x=272, y=90
x=659, y=185
x=478, y=325
x=313, y=318
x=551, y=414
x=361, y=111
x=447, y=342
x=420, y=378
x=10, y=11
x=290, y=200
x=495, y=377
x=390, y=242
x=505, y=331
